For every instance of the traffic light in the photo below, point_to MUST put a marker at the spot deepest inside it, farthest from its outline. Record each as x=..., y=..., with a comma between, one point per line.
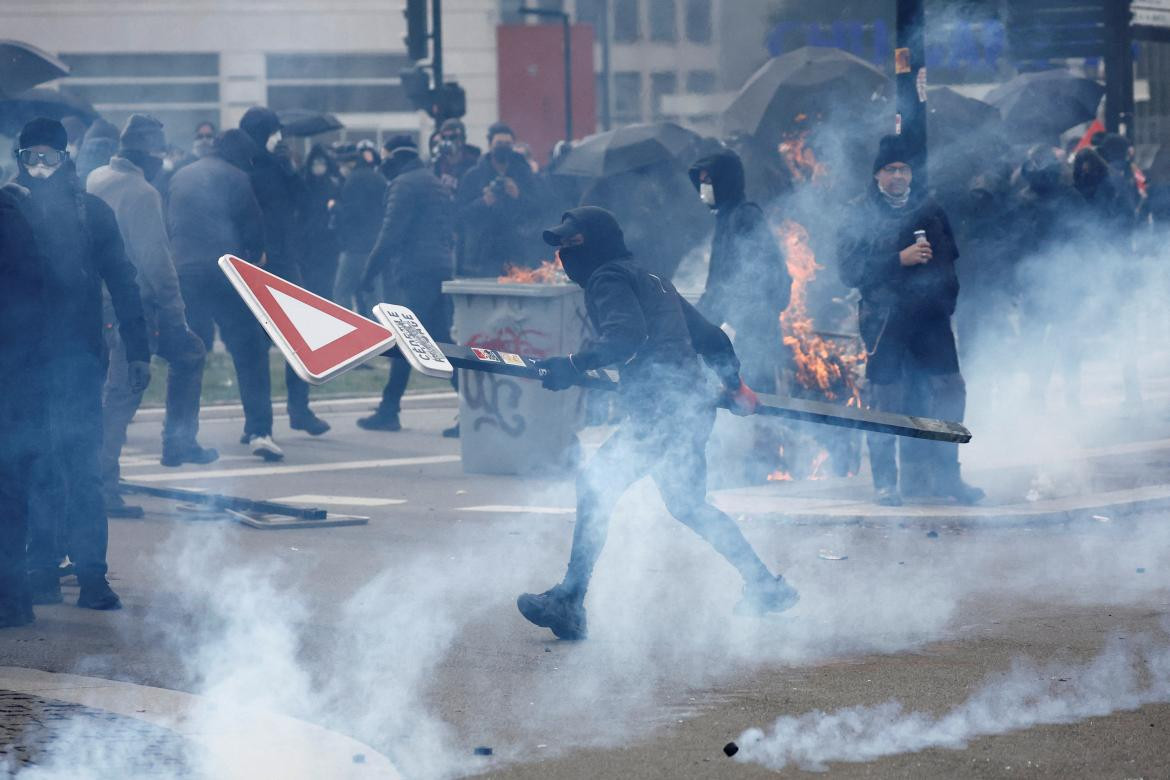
x=416, y=29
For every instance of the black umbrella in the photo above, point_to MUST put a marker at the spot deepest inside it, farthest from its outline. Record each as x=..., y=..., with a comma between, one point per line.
x=46, y=102
x=1042, y=105
x=809, y=81
x=628, y=148
x=951, y=116
x=23, y=65
x=301, y=122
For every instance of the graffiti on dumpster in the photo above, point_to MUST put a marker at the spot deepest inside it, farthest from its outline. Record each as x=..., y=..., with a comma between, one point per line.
x=522, y=341
x=492, y=397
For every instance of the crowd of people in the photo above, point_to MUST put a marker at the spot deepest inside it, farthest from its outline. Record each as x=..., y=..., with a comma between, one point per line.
x=110, y=257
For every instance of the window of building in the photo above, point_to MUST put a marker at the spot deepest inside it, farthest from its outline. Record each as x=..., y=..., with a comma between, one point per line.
x=625, y=21
x=661, y=84
x=701, y=82
x=591, y=12
x=627, y=97
x=180, y=89
x=338, y=83
x=663, y=26
x=699, y=21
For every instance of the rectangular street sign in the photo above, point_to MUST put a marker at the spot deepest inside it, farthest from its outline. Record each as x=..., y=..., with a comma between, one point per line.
x=1148, y=17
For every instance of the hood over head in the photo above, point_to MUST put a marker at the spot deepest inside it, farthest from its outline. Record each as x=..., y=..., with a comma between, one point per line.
x=319, y=152
x=603, y=241
x=259, y=123
x=727, y=176
x=237, y=147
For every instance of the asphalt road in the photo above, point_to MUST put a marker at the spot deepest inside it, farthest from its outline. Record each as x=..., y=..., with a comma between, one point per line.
x=403, y=633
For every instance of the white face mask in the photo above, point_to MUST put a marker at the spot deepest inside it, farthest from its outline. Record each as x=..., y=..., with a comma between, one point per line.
x=41, y=171
x=273, y=140
x=168, y=165
x=319, y=168
x=707, y=193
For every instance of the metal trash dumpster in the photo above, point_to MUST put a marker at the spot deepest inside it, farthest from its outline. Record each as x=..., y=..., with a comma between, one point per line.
x=507, y=425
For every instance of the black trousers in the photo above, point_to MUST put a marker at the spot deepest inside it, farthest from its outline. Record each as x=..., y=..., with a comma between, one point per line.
x=16, y=459
x=434, y=313
x=67, y=515
x=669, y=444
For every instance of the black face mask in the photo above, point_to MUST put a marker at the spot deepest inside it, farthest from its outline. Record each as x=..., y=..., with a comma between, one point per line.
x=577, y=263
x=149, y=164
x=502, y=153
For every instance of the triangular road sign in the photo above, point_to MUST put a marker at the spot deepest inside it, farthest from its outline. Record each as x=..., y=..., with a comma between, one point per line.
x=318, y=338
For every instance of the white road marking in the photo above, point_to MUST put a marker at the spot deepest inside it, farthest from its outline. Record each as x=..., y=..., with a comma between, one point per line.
x=327, y=403
x=316, y=500
x=140, y=461
x=519, y=510
x=305, y=468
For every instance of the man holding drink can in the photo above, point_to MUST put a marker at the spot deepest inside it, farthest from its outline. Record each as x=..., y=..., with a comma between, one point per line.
x=900, y=252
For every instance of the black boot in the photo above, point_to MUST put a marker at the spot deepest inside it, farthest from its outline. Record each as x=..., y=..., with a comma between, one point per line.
x=452, y=432
x=556, y=610
x=176, y=455
x=45, y=586
x=305, y=420
x=380, y=422
x=96, y=593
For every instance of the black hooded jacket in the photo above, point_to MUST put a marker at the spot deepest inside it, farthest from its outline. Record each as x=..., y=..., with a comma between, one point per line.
x=318, y=240
x=359, y=209
x=417, y=241
x=642, y=324
x=277, y=188
x=212, y=210
x=23, y=320
x=80, y=249
x=868, y=249
x=748, y=281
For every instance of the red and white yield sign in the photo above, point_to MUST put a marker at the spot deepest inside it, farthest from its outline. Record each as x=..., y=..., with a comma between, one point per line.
x=318, y=338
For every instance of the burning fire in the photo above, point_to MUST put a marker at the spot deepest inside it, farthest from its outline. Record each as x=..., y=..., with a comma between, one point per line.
x=549, y=272
x=799, y=157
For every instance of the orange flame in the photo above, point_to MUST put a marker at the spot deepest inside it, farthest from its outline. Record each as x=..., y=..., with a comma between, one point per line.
x=549, y=272
x=799, y=157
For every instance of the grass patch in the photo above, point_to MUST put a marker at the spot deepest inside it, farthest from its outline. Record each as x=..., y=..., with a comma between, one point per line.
x=219, y=381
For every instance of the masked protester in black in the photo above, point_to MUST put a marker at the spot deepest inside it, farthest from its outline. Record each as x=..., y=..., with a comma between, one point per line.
x=278, y=191
x=318, y=236
x=80, y=248
x=22, y=404
x=908, y=294
x=748, y=284
x=644, y=326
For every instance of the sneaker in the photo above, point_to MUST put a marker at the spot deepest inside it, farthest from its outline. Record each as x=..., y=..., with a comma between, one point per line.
x=174, y=457
x=308, y=422
x=265, y=447
x=452, y=432
x=771, y=595
x=888, y=497
x=554, y=610
x=380, y=422
x=45, y=586
x=96, y=593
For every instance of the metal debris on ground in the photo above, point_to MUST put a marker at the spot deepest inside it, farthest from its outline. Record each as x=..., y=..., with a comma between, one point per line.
x=1101, y=518
x=483, y=751
x=730, y=749
x=827, y=555
x=932, y=534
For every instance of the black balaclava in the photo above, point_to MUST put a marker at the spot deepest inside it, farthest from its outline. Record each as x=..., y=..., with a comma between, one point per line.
x=260, y=123
x=237, y=148
x=603, y=241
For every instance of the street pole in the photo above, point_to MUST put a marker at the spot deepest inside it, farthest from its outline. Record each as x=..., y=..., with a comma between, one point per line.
x=910, y=80
x=437, y=40
x=567, y=27
x=1119, y=101
x=604, y=31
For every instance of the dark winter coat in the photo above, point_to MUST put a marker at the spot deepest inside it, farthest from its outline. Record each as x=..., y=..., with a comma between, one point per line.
x=416, y=242
x=278, y=191
x=212, y=210
x=868, y=251
x=318, y=242
x=497, y=235
x=80, y=249
x=359, y=210
x=23, y=320
x=748, y=284
x=642, y=325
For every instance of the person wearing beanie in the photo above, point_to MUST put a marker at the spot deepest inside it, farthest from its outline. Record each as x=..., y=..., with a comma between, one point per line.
x=665, y=353
x=124, y=184
x=498, y=204
x=358, y=216
x=451, y=156
x=80, y=249
x=414, y=254
x=899, y=251
x=97, y=146
x=279, y=191
x=406, y=148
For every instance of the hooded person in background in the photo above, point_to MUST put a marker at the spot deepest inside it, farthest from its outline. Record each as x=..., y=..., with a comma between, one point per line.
x=80, y=248
x=97, y=147
x=125, y=187
x=22, y=404
x=451, y=156
x=321, y=185
x=358, y=217
x=202, y=146
x=211, y=212
x=909, y=288
x=656, y=338
x=416, y=248
x=278, y=191
x=498, y=202
x=748, y=284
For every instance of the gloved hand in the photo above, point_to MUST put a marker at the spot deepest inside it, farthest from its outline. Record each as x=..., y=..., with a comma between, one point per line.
x=138, y=373
x=557, y=373
x=742, y=401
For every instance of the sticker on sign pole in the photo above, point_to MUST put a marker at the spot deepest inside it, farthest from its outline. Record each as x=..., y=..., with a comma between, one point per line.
x=318, y=338
x=415, y=344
